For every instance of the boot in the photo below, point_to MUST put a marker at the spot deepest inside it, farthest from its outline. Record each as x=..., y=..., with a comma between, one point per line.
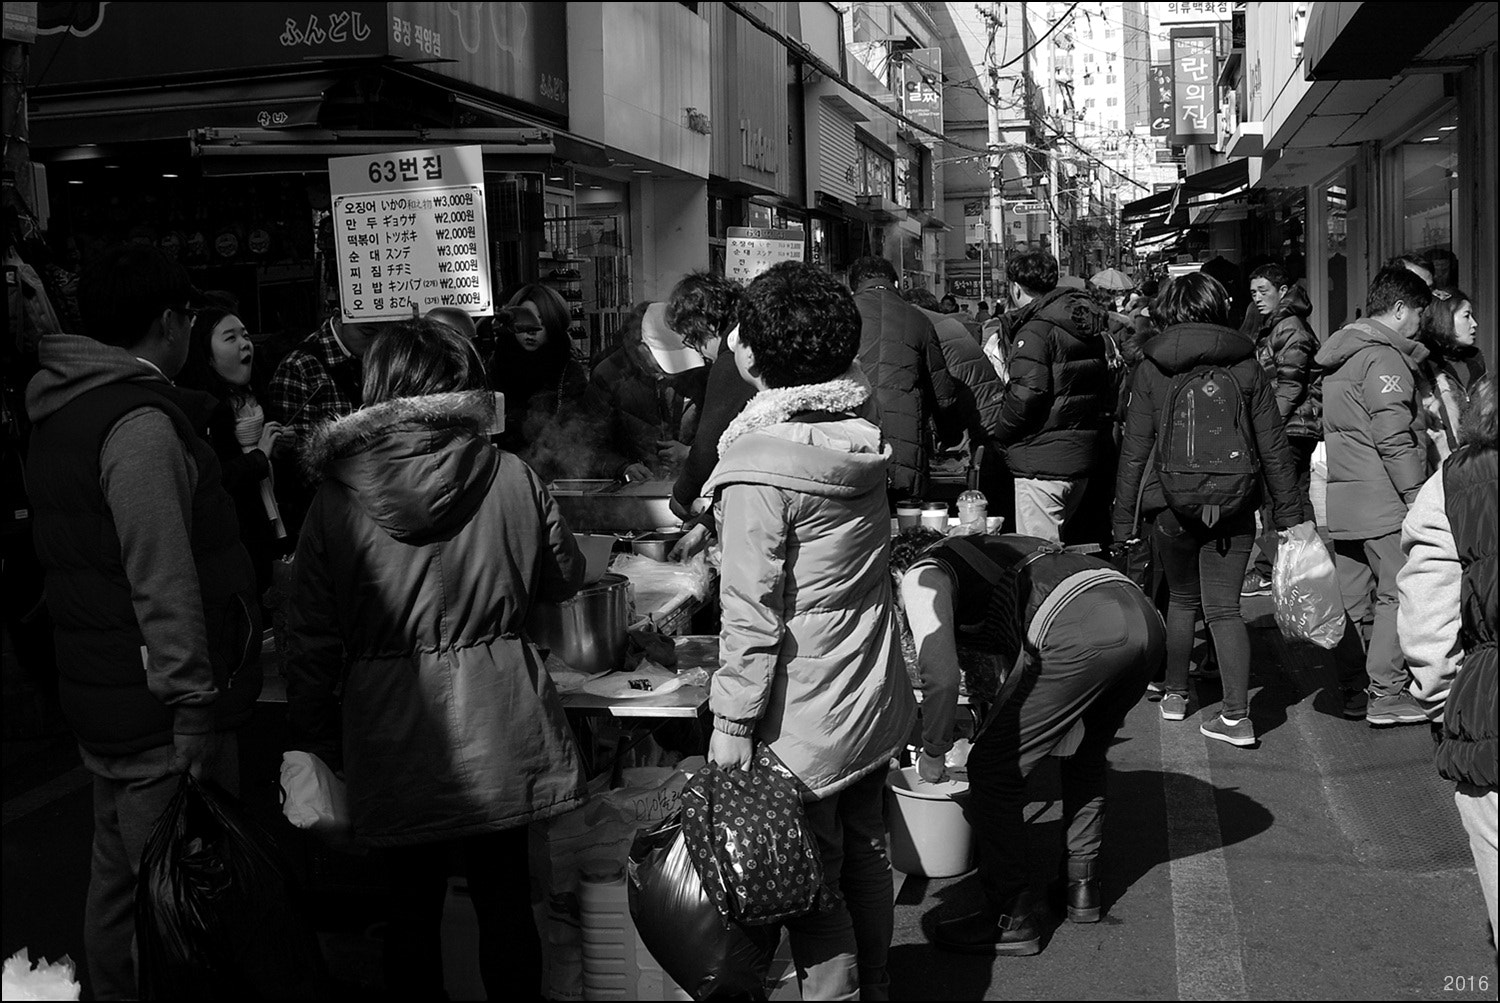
x=986, y=932
x=1081, y=879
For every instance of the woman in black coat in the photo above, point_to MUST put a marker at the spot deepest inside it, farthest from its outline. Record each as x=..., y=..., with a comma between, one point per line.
x=1204, y=564
x=533, y=364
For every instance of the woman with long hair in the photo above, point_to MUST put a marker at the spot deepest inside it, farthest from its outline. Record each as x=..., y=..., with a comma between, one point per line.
x=1453, y=366
x=1204, y=561
x=408, y=667
x=220, y=362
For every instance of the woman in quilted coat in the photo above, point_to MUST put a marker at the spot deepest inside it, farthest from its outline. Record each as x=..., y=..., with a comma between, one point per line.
x=809, y=662
x=1453, y=366
x=1447, y=621
x=421, y=556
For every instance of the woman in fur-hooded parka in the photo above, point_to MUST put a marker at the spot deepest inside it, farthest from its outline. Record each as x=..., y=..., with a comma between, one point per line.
x=419, y=562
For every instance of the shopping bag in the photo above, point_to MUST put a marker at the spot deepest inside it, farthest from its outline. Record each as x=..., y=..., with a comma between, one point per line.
x=214, y=908
x=1305, y=586
x=313, y=796
x=750, y=841
x=707, y=955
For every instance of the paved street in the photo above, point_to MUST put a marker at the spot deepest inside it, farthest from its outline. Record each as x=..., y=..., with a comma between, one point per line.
x=1326, y=863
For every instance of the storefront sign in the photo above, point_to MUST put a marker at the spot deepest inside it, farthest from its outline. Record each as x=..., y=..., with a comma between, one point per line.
x=751, y=250
x=20, y=22
x=1159, y=79
x=410, y=233
x=82, y=42
x=921, y=89
x=1192, y=13
x=519, y=50
x=1194, y=70
x=964, y=286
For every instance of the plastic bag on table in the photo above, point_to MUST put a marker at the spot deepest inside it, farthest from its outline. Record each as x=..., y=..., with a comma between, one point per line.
x=708, y=956
x=751, y=843
x=1305, y=585
x=214, y=912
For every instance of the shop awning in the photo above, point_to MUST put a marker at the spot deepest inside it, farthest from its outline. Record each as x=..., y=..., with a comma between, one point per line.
x=261, y=151
x=1370, y=41
x=1217, y=180
x=171, y=112
x=1149, y=208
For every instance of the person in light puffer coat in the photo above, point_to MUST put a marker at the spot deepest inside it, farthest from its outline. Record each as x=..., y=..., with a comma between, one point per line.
x=408, y=666
x=1448, y=619
x=809, y=661
x=1377, y=462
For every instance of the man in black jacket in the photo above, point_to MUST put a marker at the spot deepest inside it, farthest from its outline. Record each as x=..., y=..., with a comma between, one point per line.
x=901, y=356
x=1056, y=406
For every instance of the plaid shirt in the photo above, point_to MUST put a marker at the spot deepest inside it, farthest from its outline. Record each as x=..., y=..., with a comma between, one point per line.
x=318, y=381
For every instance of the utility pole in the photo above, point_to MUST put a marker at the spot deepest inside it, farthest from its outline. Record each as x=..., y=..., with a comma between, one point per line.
x=994, y=214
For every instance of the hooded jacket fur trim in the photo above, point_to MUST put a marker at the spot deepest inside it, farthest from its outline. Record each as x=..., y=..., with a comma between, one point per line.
x=473, y=410
x=775, y=405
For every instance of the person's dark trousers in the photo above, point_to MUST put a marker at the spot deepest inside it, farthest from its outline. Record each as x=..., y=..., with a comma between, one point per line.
x=1205, y=568
x=1367, y=577
x=1095, y=659
x=1302, y=450
x=510, y=951
x=130, y=794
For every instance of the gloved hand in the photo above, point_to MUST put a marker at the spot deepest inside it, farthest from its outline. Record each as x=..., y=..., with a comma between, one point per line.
x=933, y=769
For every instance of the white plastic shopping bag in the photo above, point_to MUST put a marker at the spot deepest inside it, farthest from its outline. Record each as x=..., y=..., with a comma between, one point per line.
x=1305, y=585
x=315, y=798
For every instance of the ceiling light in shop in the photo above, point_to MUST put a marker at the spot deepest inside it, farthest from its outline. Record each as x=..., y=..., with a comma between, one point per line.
x=1431, y=139
x=74, y=181
x=169, y=175
x=595, y=188
x=111, y=167
x=1446, y=128
x=640, y=171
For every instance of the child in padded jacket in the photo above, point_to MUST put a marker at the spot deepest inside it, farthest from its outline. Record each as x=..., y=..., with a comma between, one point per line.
x=809, y=662
x=1377, y=462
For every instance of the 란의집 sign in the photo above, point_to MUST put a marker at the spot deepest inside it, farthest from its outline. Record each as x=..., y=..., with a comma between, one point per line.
x=410, y=234
x=750, y=250
x=1195, y=110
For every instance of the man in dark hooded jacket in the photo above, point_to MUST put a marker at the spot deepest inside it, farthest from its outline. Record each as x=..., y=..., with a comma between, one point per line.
x=1057, y=406
x=903, y=359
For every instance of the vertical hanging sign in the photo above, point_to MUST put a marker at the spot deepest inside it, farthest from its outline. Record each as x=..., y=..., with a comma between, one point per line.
x=1195, y=112
x=921, y=94
x=410, y=233
x=1159, y=80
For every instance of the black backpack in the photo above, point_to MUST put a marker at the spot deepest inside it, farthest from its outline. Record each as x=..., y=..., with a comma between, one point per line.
x=1206, y=457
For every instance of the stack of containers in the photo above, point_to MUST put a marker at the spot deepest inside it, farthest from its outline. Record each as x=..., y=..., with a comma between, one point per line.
x=616, y=965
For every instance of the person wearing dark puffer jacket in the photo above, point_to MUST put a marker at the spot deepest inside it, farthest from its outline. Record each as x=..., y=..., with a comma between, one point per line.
x=1447, y=622
x=980, y=391
x=1056, y=409
x=1285, y=347
x=1204, y=564
x=903, y=360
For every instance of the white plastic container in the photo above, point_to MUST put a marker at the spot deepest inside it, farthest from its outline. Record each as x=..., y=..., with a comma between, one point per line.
x=616, y=965
x=929, y=835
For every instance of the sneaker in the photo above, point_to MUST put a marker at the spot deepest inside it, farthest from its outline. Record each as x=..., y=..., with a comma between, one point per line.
x=1173, y=707
x=1399, y=708
x=1240, y=733
x=1356, y=702
x=1156, y=689
x=1256, y=584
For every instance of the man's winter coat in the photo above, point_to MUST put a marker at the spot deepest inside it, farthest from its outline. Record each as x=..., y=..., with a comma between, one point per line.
x=1181, y=349
x=1448, y=611
x=422, y=555
x=1057, y=404
x=809, y=660
x=1285, y=348
x=900, y=353
x=151, y=592
x=1377, y=460
x=977, y=385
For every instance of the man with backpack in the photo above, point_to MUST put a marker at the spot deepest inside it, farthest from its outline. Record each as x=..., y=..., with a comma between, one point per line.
x=1377, y=462
x=1202, y=429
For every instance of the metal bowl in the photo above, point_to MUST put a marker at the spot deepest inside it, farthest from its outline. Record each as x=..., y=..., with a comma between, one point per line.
x=656, y=544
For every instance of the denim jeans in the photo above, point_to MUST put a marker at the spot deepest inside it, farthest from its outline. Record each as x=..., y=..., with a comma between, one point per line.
x=510, y=950
x=130, y=794
x=1205, y=569
x=1095, y=659
x=841, y=953
x=1367, y=577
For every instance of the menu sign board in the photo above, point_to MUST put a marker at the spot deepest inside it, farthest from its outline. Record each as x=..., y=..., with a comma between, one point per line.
x=1195, y=113
x=410, y=233
x=751, y=250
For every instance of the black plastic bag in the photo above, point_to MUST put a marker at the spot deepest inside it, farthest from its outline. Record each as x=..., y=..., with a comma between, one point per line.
x=708, y=956
x=748, y=836
x=214, y=910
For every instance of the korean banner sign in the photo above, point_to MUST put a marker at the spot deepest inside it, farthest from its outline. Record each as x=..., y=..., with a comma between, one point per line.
x=1195, y=110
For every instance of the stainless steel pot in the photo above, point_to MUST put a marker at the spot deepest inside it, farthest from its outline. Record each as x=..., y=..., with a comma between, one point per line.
x=656, y=544
x=588, y=631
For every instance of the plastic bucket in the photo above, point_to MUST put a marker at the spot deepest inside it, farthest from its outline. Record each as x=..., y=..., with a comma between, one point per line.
x=929, y=835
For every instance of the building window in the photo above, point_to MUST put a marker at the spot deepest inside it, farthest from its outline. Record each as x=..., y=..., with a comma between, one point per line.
x=1112, y=79
x=1428, y=173
x=1111, y=102
x=877, y=173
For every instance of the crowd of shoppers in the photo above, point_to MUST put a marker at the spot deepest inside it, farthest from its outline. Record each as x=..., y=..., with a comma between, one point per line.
x=790, y=415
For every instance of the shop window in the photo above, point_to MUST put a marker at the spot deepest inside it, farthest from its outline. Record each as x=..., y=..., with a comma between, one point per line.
x=1336, y=205
x=877, y=173
x=1428, y=173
